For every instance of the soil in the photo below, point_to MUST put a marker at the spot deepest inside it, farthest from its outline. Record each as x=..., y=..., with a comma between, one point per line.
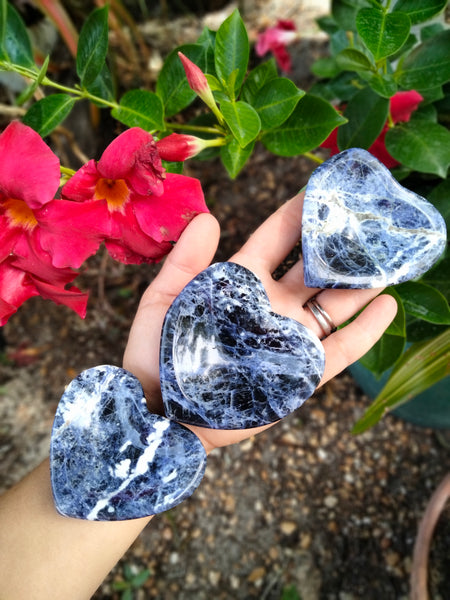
x=306, y=506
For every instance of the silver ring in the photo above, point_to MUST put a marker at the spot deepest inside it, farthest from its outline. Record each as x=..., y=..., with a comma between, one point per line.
x=322, y=317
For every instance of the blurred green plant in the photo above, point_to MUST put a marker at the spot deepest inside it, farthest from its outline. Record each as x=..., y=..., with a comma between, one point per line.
x=132, y=580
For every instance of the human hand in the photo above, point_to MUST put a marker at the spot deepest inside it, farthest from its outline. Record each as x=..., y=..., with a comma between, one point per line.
x=262, y=254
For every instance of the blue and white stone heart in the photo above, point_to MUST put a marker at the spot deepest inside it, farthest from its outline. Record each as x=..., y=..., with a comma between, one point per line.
x=111, y=459
x=362, y=229
x=227, y=361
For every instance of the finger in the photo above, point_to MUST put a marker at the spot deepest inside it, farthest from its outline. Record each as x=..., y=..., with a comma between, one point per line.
x=347, y=345
x=339, y=304
x=192, y=253
x=269, y=245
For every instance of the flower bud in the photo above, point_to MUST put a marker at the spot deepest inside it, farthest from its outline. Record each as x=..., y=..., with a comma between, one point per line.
x=178, y=147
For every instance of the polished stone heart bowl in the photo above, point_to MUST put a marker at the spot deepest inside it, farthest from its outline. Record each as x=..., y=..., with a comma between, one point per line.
x=362, y=229
x=227, y=361
x=112, y=460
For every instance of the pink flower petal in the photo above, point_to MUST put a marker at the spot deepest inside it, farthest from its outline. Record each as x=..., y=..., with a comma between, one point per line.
x=133, y=156
x=73, y=231
x=28, y=168
x=131, y=244
x=15, y=289
x=165, y=217
x=73, y=297
x=403, y=104
x=81, y=186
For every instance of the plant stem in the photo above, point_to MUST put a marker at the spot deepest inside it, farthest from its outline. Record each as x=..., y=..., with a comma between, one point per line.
x=202, y=128
x=313, y=157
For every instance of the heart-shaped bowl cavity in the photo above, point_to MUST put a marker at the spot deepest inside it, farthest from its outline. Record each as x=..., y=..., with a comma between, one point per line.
x=362, y=229
x=111, y=459
x=227, y=361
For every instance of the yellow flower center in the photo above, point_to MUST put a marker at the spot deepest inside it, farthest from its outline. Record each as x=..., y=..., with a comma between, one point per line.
x=114, y=191
x=19, y=214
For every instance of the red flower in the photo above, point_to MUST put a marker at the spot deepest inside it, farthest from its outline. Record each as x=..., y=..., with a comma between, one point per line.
x=402, y=105
x=127, y=200
x=29, y=179
x=275, y=39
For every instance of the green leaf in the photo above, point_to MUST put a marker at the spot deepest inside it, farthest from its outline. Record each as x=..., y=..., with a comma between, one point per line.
x=366, y=114
x=383, y=33
x=421, y=366
x=16, y=44
x=383, y=84
x=139, y=579
x=45, y=115
x=275, y=101
x=102, y=86
x=140, y=108
x=234, y=157
x=420, y=145
x=325, y=68
x=351, y=59
x=242, y=119
x=420, y=10
x=344, y=12
x=311, y=122
x=440, y=198
x=383, y=354
x=29, y=91
x=438, y=276
x=232, y=50
x=424, y=302
x=421, y=331
x=92, y=46
x=430, y=31
x=428, y=65
x=172, y=85
x=398, y=325
x=3, y=17
x=257, y=78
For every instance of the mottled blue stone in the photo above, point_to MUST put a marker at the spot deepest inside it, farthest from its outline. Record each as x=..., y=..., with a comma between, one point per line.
x=362, y=229
x=229, y=362
x=111, y=459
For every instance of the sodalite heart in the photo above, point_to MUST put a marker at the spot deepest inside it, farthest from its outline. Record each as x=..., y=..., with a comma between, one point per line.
x=362, y=229
x=111, y=459
x=227, y=361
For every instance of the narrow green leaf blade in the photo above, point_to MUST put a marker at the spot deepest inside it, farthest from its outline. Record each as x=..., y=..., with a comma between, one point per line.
x=242, y=119
x=419, y=10
x=234, y=157
x=275, y=101
x=3, y=18
x=421, y=366
x=366, y=114
x=424, y=302
x=420, y=145
x=232, y=50
x=140, y=108
x=92, y=46
x=45, y=115
x=311, y=122
x=383, y=33
x=172, y=85
x=428, y=65
x=102, y=86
